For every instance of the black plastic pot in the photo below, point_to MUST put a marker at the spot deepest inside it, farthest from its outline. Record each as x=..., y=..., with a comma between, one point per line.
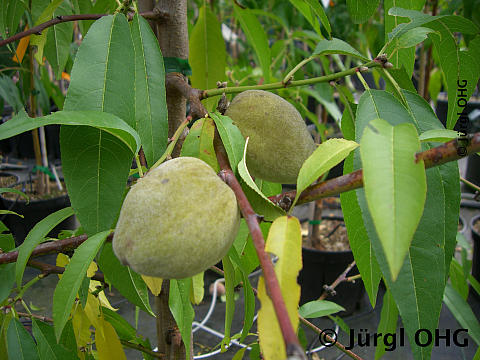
x=322, y=268
x=473, y=171
x=476, y=248
x=33, y=212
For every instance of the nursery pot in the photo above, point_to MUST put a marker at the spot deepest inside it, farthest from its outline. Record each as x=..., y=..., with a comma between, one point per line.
x=34, y=211
x=323, y=268
x=476, y=247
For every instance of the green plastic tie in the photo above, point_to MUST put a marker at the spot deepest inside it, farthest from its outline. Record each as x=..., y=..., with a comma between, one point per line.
x=174, y=64
x=45, y=170
x=315, y=222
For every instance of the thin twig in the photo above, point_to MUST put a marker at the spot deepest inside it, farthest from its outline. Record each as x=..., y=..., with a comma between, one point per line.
x=39, y=317
x=330, y=289
x=37, y=30
x=330, y=339
x=48, y=269
x=470, y=184
x=142, y=349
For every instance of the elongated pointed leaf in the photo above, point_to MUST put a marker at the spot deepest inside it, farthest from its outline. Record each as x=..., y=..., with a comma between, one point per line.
x=361, y=10
x=150, y=99
x=125, y=280
x=418, y=290
x=20, y=343
x=181, y=308
x=256, y=37
x=231, y=137
x=318, y=10
x=57, y=47
x=95, y=164
x=72, y=278
x=440, y=135
x=462, y=312
x=285, y=241
x=207, y=53
x=395, y=186
x=401, y=57
x=358, y=238
x=107, y=342
x=388, y=321
x=229, y=272
x=10, y=94
x=40, y=40
x=260, y=203
x=199, y=142
x=306, y=10
x=319, y=308
x=325, y=157
x=104, y=121
x=11, y=12
x=35, y=237
x=48, y=349
x=337, y=46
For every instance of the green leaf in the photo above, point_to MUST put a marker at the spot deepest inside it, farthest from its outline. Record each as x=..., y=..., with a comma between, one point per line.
x=418, y=290
x=256, y=37
x=100, y=120
x=395, y=186
x=11, y=12
x=318, y=10
x=48, y=349
x=95, y=164
x=40, y=40
x=83, y=7
x=182, y=310
x=319, y=308
x=199, y=142
x=462, y=312
x=361, y=10
x=358, y=238
x=413, y=37
x=150, y=97
x=323, y=93
x=305, y=8
x=10, y=94
x=20, y=343
x=439, y=135
x=126, y=281
x=57, y=47
x=249, y=296
x=198, y=288
x=232, y=139
x=260, y=203
x=230, y=299
x=401, y=57
x=326, y=156
x=337, y=46
x=388, y=322
x=7, y=279
x=207, y=53
x=72, y=278
x=36, y=236
x=458, y=279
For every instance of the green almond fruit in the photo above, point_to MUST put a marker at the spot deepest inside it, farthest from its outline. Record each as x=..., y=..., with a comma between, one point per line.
x=177, y=221
x=279, y=140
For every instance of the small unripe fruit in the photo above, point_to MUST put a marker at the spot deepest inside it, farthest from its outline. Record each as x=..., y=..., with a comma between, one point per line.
x=177, y=221
x=279, y=140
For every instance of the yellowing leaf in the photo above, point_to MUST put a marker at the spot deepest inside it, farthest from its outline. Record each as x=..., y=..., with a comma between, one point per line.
x=65, y=76
x=196, y=295
x=92, y=286
x=62, y=261
x=107, y=342
x=92, y=269
x=285, y=241
x=153, y=283
x=81, y=326
x=21, y=48
x=92, y=310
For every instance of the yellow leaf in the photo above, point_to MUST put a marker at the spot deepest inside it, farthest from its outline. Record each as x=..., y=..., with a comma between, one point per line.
x=92, y=269
x=92, y=286
x=81, y=326
x=107, y=342
x=92, y=310
x=285, y=241
x=153, y=283
x=62, y=261
x=197, y=291
x=21, y=48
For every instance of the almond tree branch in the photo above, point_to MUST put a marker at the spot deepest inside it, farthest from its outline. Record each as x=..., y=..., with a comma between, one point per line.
x=53, y=269
x=450, y=151
x=156, y=14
